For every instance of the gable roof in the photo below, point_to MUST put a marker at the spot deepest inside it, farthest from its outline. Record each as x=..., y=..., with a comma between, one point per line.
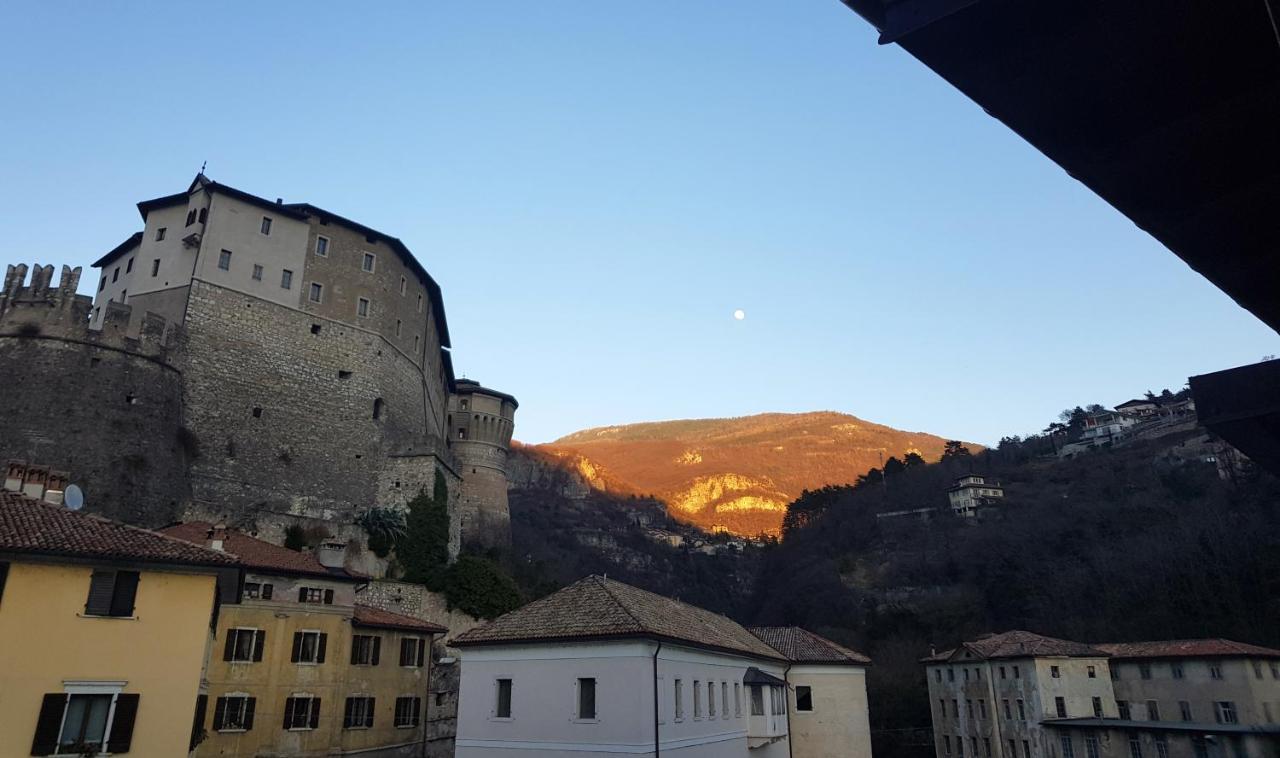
x=803, y=646
x=598, y=608
x=133, y=241
x=1017, y=644
x=1202, y=648
x=34, y=527
x=259, y=555
x=368, y=616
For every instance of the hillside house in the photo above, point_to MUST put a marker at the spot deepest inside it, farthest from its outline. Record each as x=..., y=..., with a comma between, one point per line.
x=971, y=492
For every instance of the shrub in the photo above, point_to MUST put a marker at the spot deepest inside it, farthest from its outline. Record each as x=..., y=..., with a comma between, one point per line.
x=295, y=537
x=480, y=587
x=385, y=527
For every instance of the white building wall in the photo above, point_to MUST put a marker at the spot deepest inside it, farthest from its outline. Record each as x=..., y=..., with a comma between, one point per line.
x=236, y=226
x=838, y=726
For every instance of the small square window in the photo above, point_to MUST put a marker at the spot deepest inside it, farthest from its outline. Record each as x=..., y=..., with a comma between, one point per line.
x=322, y=247
x=804, y=698
x=257, y=272
x=234, y=713
x=403, y=285
x=224, y=260
x=301, y=712
x=317, y=292
x=362, y=307
x=286, y=279
x=367, y=262
x=1055, y=672
x=309, y=647
x=358, y=713
x=160, y=233
x=266, y=225
x=244, y=645
x=1093, y=673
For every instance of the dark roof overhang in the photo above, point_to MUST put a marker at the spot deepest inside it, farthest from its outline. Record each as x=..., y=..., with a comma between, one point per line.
x=133, y=241
x=756, y=676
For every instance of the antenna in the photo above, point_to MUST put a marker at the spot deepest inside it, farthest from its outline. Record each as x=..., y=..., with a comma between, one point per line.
x=73, y=497
x=202, y=165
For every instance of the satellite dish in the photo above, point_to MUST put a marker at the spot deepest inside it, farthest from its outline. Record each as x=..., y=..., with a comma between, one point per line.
x=73, y=497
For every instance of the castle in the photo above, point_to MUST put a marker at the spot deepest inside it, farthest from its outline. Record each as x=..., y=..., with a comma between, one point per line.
x=252, y=362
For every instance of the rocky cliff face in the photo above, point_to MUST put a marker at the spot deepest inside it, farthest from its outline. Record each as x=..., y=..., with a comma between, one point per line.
x=734, y=474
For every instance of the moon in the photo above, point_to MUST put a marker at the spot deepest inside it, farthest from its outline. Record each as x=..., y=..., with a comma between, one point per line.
x=739, y=314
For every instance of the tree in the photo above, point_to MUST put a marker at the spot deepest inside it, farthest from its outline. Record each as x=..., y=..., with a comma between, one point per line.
x=480, y=587
x=295, y=537
x=912, y=459
x=955, y=449
x=424, y=550
x=385, y=526
x=893, y=466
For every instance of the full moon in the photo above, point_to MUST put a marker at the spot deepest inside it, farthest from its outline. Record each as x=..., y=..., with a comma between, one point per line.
x=739, y=314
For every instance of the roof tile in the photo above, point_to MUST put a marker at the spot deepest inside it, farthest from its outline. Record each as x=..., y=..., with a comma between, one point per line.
x=1202, y=648
x=366, y=615
x=803, y=646
x=255, y=553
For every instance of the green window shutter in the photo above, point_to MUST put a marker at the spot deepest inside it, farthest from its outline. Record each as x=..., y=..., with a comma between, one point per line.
x=249, y=706
x=324, y=641
x=377, y=648
x=197, y=725
x=288, y=712
x=315, y=712
x=219, y=712
x=101, y=588
x=368, y=714
x=297, y=647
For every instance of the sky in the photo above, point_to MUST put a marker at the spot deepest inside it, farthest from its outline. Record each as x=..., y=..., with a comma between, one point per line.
x=598, y=186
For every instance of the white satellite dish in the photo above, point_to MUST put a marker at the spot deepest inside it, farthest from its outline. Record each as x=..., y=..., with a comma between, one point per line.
x=73, y=497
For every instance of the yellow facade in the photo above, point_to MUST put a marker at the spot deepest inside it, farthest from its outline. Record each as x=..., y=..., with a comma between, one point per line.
x=276, y=677
x=48, y=645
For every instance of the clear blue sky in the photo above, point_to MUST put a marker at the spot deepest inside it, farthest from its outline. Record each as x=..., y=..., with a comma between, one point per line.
x=598, y=185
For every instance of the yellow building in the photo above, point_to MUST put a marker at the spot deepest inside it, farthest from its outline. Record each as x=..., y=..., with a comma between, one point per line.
x=104, y=630
x=299, y=668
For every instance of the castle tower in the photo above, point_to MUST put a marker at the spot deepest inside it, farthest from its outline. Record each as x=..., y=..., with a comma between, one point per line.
x=480, y=425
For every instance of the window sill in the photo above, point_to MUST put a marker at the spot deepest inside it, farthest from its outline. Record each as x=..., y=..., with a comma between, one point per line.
x=96, y=616
x=356, y=728
x=308, y=663
x=501, y=718
x=586, y=721
x=300, y=729
x=230, y=731
x=415, y=726
x=250, y=663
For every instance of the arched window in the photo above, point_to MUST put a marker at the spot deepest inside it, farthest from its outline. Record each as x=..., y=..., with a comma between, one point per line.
x=377, y=409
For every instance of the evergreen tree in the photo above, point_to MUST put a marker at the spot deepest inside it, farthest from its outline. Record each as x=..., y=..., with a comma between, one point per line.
x=424, y=550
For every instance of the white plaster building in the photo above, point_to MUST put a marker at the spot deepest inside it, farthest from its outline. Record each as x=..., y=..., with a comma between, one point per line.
x=602, y=668
x=971, y=492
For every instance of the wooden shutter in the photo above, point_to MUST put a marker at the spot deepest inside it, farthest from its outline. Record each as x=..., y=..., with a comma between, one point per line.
x=324, y=641
x=368, y=713
x=4, y=574
x=49, y=723
x=230, y=649
x=328, y=597
x=197, y=725
x=416, y=704
x=355, y=649
x=422, y=651
x=377, y=648
x=346, y=712
x=101, y=584
x=315, y=712
x=302, y=594
x=297, y=647
x=266, y=591
x=250, y=704
x=288, y=712
x=219, y=712
x=122, y=723
x=126, y=590
x=259, y=643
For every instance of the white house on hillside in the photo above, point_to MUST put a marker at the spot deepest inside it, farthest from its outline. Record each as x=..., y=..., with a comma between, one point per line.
x=602, y=668
x=970, y=492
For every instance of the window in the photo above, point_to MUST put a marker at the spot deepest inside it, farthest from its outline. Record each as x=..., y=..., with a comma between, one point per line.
x=959, y=746
x=1091, y=746
x=128, y=266
x=968, y=706
x=244, y=645
x=1162, y=747
x=502, y=700
x=1275, y=671
x=315, y=595
x=1093, y=673
x=403, y=285
x=160, y=233
x=419, y=303
x=711, y=700
x=1013, y=750
x=204, y=214
x=951, y=675
x=191, y=217
x=309, y=647
x=697, y=699
x=286, y=280
x=301, y=712
x=1017, y=672
x=115, y=274
x=1135, y=746
x=358, y=713
x=322, y=247
x=102, y=284
x=1022, y=710
x=257, y=272
x=1144, y=670
x=413, y=651
x=365, y=649
x=1097, y=707
x=1266, y=708
x=1257, y=669
x=1115, y=673
x=254, y=590
x=1055, y=672
x=111, y=593
x=586, y=699
x=1225, y=712
x=1026, y=749
x=4, y=574
x=367, y=262
x=155, y=267
x=955, y=708
x=1153, y=710
x=1007, y=713
x=1215, y=671
x=724, y=700
x=1184, y=708
x=409, y=709
x=1176, y=670
x=1123, y=706
x=317, y=291
x=966, y=675
x=737, y=690
x=415, y=343
x=757, y=701
x=1060, y=704
x=942, y=707
x=1200, y=746
x=234, y=713
x=973, y=743
x=362, y=307
x=224, y=260
x=937, y=675
x=679, y=699
x=266, y=225
x=946, y=744
x=804, y=698
x=398, y=327
x=1002, y=672
x=77, y=722
x=982, y=708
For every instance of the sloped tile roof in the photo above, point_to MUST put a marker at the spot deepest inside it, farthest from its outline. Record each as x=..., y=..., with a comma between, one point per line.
x=39, y=528
x=376, y=617
x=1204, y=648
x=803, y=646
x=257, y=554
x=1019, y=644
x=596, y=608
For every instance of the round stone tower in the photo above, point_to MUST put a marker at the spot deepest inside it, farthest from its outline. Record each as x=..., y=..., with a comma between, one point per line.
x=480, y=424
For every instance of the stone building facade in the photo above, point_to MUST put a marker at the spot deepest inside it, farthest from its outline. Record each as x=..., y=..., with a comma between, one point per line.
x=480, y=424
x=281, y=362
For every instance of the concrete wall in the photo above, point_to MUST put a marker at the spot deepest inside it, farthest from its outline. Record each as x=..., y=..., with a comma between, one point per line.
x=838, y=726
x=1239, y=684
x=46, y=642
x=235, y=225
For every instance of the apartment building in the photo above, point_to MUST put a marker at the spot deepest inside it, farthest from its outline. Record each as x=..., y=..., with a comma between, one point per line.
x=601, y=667
x=970, y=493
x=300, y=668
x=104, y=630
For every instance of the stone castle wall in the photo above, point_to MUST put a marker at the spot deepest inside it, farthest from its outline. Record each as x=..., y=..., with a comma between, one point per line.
x=102, y=405
x=484, y=513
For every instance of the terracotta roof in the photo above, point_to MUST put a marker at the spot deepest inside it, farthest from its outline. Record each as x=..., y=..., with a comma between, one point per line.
x=258, y=554
x=376, y=617
x=35, y=527
x=803, y=646
x=1019, y=644
x=1206, y=648
x=596, y=608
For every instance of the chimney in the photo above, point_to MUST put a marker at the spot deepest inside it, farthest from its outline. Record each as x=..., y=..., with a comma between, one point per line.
x=332, y=555
x=216, y=537
x=34, y=481
x=55, y=487
x=13, y=477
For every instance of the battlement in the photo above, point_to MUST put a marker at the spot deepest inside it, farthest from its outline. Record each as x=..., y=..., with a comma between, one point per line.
x=39, y=310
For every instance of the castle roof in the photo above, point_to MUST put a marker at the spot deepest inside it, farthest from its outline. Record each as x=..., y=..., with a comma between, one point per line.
x=368, y=616
x=803, y=646
x=34, y=527
x=472, y=386
x=1202, y=648
x=260, y=555
x=597, y=608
